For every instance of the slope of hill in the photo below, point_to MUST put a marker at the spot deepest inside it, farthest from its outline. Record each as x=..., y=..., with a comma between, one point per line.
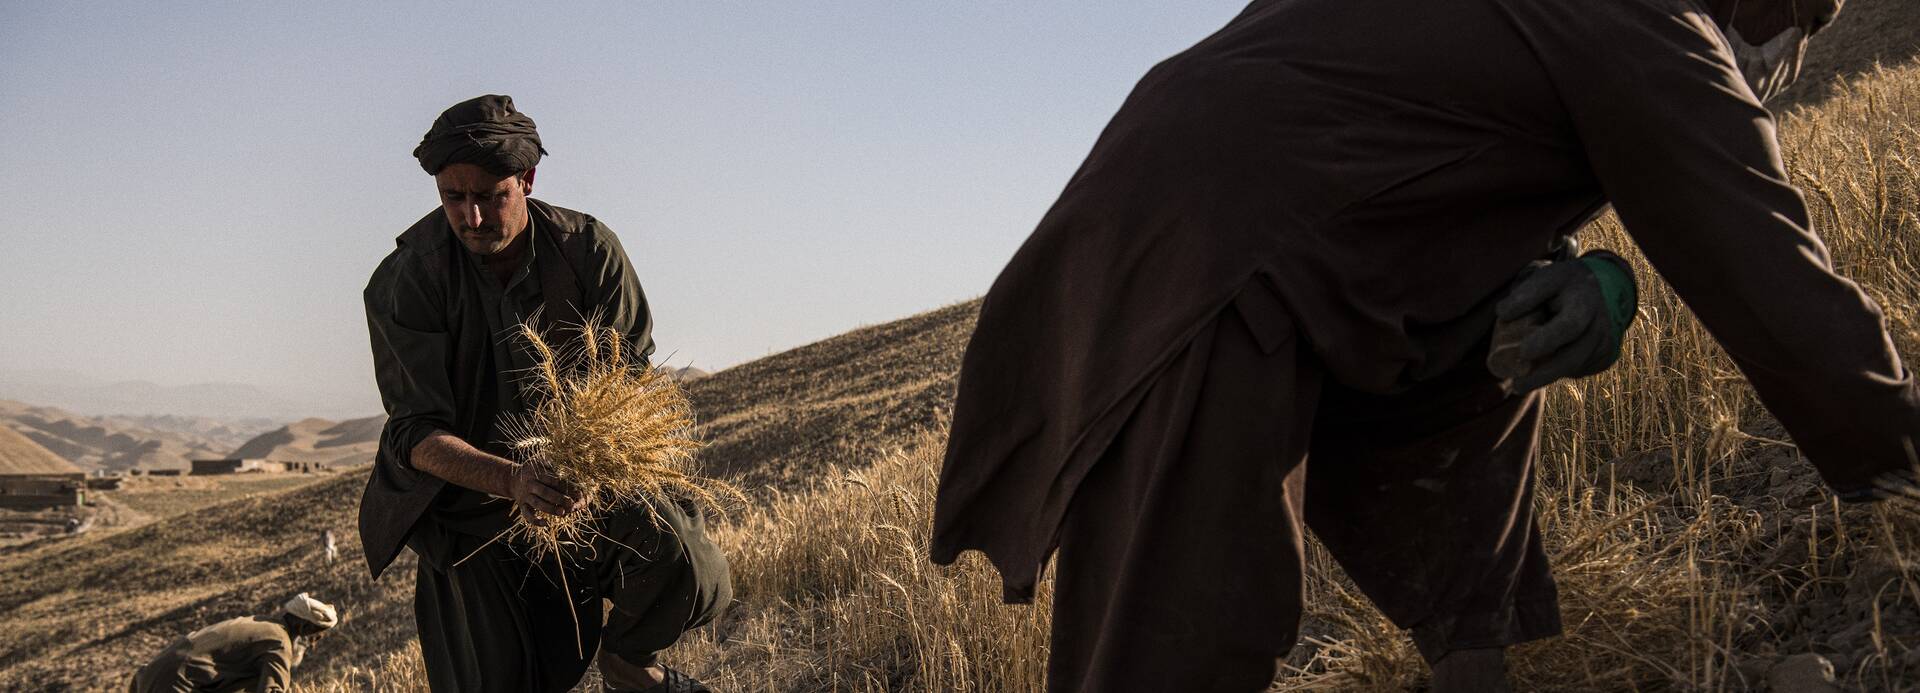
x=686, y=374
x=782, y=419
x=1693, y=549
x=229, y=433
x=124, y=442
x=82, y=614
x=786, y=420
x=317, y=440
x=1868, y=32
x=20, y=455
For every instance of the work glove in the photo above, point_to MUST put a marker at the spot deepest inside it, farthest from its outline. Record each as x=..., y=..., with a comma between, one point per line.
x=1562, y=320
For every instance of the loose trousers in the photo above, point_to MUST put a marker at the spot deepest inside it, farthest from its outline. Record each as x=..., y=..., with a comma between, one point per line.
x=498, y=622
x=1181, y=556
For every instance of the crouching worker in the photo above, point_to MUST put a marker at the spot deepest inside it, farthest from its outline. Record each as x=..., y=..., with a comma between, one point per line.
x=249, y=653
x=1280, y=294
x=443, y=311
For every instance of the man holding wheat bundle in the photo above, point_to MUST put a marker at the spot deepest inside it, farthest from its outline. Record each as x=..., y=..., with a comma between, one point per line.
x=1269, y=299
x=444, y=311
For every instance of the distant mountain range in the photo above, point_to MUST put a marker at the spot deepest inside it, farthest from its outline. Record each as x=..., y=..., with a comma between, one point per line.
x=125, y=442
x=94, y=397
x=317, y=440
x=142, y=400
x=171, y=442
x=100, y=425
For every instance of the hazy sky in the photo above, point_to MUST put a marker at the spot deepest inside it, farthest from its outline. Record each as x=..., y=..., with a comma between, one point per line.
x=198, y=191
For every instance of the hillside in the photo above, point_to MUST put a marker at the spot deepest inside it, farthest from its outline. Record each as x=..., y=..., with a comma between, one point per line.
x=686, y=374
x=126, y=442
x=1867, y=32
x=20, y=455
x=317, y=440
x=1695, y=550
x=780, y=421
x=83, y=613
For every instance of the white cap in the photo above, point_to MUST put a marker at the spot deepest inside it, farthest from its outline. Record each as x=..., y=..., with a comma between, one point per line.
x=311, y=610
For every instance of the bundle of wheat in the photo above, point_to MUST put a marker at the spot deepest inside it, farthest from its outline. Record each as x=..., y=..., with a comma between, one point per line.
x=617, y=432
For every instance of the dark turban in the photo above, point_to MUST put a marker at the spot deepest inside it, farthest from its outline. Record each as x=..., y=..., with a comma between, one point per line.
x=486, y=131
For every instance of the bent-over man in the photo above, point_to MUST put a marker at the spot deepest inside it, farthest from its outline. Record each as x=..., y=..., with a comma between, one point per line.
x=443, y=311
x=1265, y=303
x=250, y=653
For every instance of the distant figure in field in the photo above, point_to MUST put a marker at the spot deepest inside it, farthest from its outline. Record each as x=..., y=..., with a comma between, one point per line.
x=1268, y=301
x=443, y=311
x=242, y=654
x=328, y=546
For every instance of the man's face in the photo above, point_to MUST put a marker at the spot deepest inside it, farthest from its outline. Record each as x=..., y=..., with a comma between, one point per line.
x=487, y=211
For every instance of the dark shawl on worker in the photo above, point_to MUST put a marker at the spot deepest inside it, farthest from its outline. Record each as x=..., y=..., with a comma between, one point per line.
x=486, y=131
x=432, y=346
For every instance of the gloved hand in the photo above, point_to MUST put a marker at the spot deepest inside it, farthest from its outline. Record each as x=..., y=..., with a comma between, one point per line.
x=1562, y=319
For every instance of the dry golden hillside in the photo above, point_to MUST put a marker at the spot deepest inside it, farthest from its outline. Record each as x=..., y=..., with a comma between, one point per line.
x=82, y=613
x=1867, y=33
x=317, y=440
x=1694, y=549
x=125, y=442
x=783, y=421
x=20, y=455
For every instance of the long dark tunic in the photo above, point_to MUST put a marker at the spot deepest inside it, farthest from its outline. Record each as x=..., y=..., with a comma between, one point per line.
x=446, y=359
x=1391, y=177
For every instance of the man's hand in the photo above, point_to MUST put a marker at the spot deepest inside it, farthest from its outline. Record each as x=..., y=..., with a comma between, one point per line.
x=535, y=493
x=1558, y=321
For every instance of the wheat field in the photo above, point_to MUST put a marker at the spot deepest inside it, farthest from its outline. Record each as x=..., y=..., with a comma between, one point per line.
x=1694, y=548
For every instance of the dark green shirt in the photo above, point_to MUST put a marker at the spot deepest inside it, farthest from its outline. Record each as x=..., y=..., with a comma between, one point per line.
x=447, y=355
x=505, y=308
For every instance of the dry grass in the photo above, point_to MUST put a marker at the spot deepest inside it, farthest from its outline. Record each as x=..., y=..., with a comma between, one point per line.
x=394, y=672
x=836, y=593
x=1693, y=547
x=79, y=614
x=618, y=433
